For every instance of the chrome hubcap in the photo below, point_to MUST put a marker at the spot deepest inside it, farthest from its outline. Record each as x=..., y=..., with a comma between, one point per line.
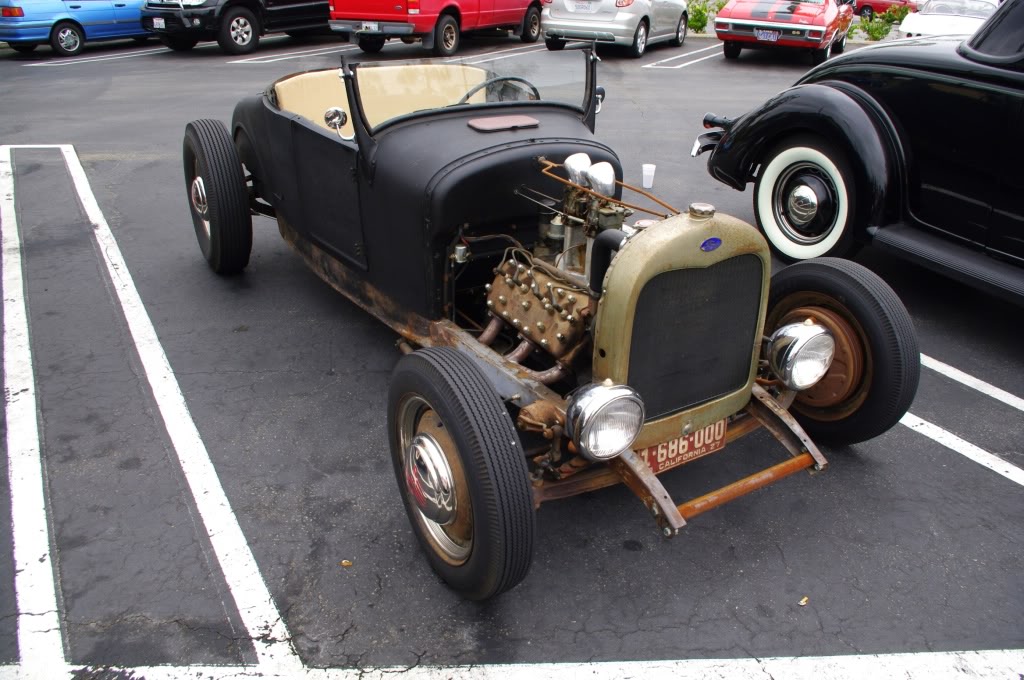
x=198, y=195
x=802, y=204
x=805, y=203
x=449, y=37
x=641, y=38
x=68, y=39
x=430, y=480
x=241, y=31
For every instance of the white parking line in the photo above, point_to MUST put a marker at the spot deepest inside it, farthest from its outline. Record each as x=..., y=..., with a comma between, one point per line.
x=971, y=381
x=312, y=52
x=657, y=64
x=964, y=448
x=89, y=60
x=39, y=637
x=516, y=52
x=688, y=63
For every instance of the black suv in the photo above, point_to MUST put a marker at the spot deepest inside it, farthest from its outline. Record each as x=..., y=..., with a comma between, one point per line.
x=235, y=25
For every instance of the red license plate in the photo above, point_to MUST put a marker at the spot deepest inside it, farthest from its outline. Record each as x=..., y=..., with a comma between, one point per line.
x=684, y=449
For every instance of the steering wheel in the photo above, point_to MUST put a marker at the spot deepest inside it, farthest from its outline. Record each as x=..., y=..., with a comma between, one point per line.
x=535, y=94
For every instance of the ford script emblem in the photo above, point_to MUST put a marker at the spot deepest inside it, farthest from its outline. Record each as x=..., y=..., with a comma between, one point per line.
x=710, y=244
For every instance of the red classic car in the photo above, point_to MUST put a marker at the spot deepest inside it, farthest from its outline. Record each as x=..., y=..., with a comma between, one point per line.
x=819, y=26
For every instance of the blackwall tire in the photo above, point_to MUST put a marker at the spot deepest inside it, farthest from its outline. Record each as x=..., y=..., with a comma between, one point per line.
x=681, y=29
x=731, y=50
x=840, y=46
x=372, y=45
x=177, y=43
x=783, y=211
x=639, y=46
x=67, y=39
x=446, y=36
x=531, y=25
x=217, y=195
x=239, y=31
x=874, y=377
x=822, y=55
x=439, y=400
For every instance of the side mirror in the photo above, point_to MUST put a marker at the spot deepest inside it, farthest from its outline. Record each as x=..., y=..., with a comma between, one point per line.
x=599, y=96
x=335, y=118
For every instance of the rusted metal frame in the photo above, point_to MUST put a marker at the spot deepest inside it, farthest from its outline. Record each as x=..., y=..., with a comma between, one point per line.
x=783, y=426
x=637, y=475
x=709, y=501
x=546, y=171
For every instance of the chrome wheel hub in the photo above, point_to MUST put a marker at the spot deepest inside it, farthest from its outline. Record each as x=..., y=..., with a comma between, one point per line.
x=197, y=194
x=68, y=39
x=802, y=204
x=241, y=31
x=430, y=481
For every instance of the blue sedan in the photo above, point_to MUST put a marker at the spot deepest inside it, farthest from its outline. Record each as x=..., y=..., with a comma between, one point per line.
x=67, y=24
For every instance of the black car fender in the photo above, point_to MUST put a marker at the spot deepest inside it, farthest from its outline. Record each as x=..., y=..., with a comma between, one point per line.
x=838, y=113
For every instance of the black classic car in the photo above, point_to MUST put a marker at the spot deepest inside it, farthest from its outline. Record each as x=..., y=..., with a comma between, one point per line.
x=554, y=344
x=236, y=25
x=912, y=145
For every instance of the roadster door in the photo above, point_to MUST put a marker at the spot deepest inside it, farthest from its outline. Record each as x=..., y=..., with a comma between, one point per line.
x=326, y=170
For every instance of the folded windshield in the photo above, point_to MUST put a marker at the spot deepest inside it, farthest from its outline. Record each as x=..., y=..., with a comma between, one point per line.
x=391, y=90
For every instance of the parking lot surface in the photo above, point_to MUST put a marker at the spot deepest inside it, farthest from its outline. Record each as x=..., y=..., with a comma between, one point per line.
x=199, y=482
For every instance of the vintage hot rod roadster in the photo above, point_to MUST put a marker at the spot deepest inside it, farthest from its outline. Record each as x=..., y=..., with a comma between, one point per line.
x=553, y=342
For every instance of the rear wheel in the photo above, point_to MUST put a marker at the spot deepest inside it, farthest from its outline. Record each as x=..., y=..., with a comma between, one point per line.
x=217, y=196
x=461, y=471
x=178, y=43
x=866, y=13
x=731, y=50
x=67, y=39
x=639, y=46
x=681, y=28
x=822, y=55
x=446, y=36
x=239, y=31
x=531, y=25
x=840, y=46
x=877, y=365
x=371, y=44
x=554, y=44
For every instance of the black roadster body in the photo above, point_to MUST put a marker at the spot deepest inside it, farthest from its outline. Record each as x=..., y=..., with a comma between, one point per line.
x=910, y=145
x=553, y=344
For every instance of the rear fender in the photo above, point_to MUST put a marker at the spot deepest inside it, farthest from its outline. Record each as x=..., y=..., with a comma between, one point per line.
x=837, y=112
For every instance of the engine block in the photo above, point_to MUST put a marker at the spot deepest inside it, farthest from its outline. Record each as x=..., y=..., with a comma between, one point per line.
x=552, y=312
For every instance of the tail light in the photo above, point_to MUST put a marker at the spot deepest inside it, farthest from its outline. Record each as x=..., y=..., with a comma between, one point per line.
x=623, y=3
x=413, y=6
x=13, y=12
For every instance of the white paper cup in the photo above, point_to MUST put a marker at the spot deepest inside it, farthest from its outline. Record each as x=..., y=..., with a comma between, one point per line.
x=648, y=175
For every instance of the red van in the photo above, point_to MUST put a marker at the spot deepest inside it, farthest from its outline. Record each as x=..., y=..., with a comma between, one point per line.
x=437, y=23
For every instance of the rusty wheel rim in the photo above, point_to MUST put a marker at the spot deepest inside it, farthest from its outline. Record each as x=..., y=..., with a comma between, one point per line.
x=845, y=386
x=453, y=541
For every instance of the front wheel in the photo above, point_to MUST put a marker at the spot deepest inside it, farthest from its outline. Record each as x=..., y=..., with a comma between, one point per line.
x=217, y=196
x=731, y=50
x=554, y=44
x=446, y=36
x=239, y=31
x=67, y=39
x=461, y=471
x=804, y=200
x=877, y=364
x=531, y=25
x=639, y=46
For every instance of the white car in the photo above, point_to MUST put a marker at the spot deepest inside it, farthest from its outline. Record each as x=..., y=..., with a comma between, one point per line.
x=947, y=17
x=634, y=23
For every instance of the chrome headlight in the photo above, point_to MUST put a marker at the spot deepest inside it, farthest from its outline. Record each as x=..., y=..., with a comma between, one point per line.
x=603, y=420
x=602, y=178
x=800, y=353
x=577, y=165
